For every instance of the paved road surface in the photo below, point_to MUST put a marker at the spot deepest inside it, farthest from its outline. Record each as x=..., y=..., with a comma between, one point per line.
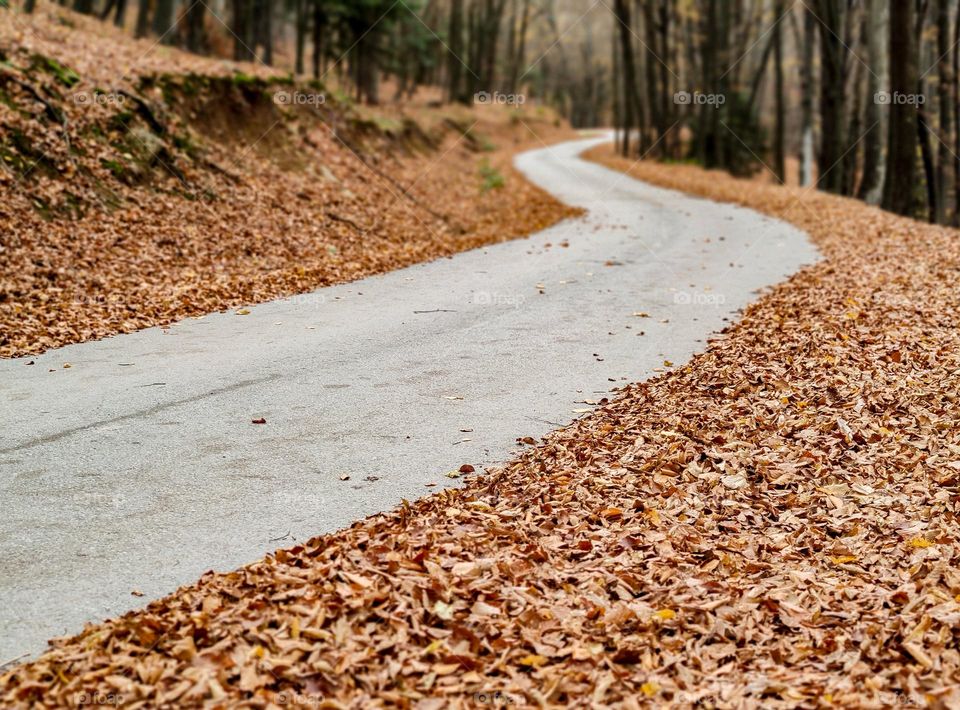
x=139, y=468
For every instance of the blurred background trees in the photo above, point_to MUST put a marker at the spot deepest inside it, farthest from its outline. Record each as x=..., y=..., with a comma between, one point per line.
x=857, y=97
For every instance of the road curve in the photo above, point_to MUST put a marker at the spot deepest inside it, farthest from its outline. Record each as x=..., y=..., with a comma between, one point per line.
x=139, y=468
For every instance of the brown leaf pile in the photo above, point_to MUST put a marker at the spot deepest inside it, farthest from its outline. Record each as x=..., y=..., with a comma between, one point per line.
x=772, y=525
x=195, y=191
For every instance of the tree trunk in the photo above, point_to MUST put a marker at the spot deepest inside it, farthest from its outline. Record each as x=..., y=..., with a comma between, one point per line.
x=196, y=32
x=808, y=147
x=833, y=55
x=454, y=58
x=143, y=19
x=876, y=36
x=955, y=92
x=947, y=107
x=923, y=124
x=242, y=27
x=902, y=139
x=779, y=131
x=29, y=6
x=301, y=10
x=263, y=19
x=163, y=24
x=319, y=27
x=630, y=96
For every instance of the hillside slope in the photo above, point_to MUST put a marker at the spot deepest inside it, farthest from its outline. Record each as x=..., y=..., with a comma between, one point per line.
x=146, y=185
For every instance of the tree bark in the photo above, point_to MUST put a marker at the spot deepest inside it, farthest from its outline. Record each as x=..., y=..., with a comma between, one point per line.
x=301, y=29
x=902, y=139
x=876, y=37
x=455, y=90
x=196, y=32
x=833, y=55
x=808, y=146
x=143, y=19
x=630, y=96
x=779, y=131
x=947, y=107
x=163, y=21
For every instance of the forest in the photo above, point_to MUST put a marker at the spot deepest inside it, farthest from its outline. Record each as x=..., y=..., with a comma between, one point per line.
x=805, y=92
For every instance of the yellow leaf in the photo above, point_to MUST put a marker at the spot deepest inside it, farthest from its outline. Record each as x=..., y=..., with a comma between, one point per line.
x=843, y=559
x=533, y=661
x=920, y=542
x=666, y=614
x=434, y=647
x=243, y=312
x=649, y=688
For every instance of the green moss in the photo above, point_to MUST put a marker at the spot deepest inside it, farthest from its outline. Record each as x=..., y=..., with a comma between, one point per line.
x=121, y=121
x=115, y=166
x=66, y=76
x=492, y=178
x=246, y=80
x=184, y=142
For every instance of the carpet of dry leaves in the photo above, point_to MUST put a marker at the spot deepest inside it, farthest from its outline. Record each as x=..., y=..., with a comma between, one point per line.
x=143, y=185
x=772, y=525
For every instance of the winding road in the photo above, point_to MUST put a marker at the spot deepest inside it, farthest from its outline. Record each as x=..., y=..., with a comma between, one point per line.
x=139, y=468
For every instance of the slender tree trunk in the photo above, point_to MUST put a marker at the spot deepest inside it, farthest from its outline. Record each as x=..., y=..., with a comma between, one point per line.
x=876, y=37
x=902, y=141
x=833, y=55
x=955, y=91
x=301, y=29
x=319, y=27
x=29, y=6
x=242, y=26
x=263, y=15
x=630, y=96
x=779, y=131
x=808, y=147
x=653, y=83
x=196, y=31
x=143, y=19
x=947, y=107
x=454, y=57
x=923, y=125
x=163, y=21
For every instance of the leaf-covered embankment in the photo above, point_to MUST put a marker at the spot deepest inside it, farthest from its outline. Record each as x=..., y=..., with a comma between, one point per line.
x=143, y=185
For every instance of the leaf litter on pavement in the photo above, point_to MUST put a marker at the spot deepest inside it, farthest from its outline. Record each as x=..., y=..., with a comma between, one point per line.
x=772, y=525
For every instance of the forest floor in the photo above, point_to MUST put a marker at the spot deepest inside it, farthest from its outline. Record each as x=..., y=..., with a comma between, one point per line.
x=773, y=524
x=144, y=185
